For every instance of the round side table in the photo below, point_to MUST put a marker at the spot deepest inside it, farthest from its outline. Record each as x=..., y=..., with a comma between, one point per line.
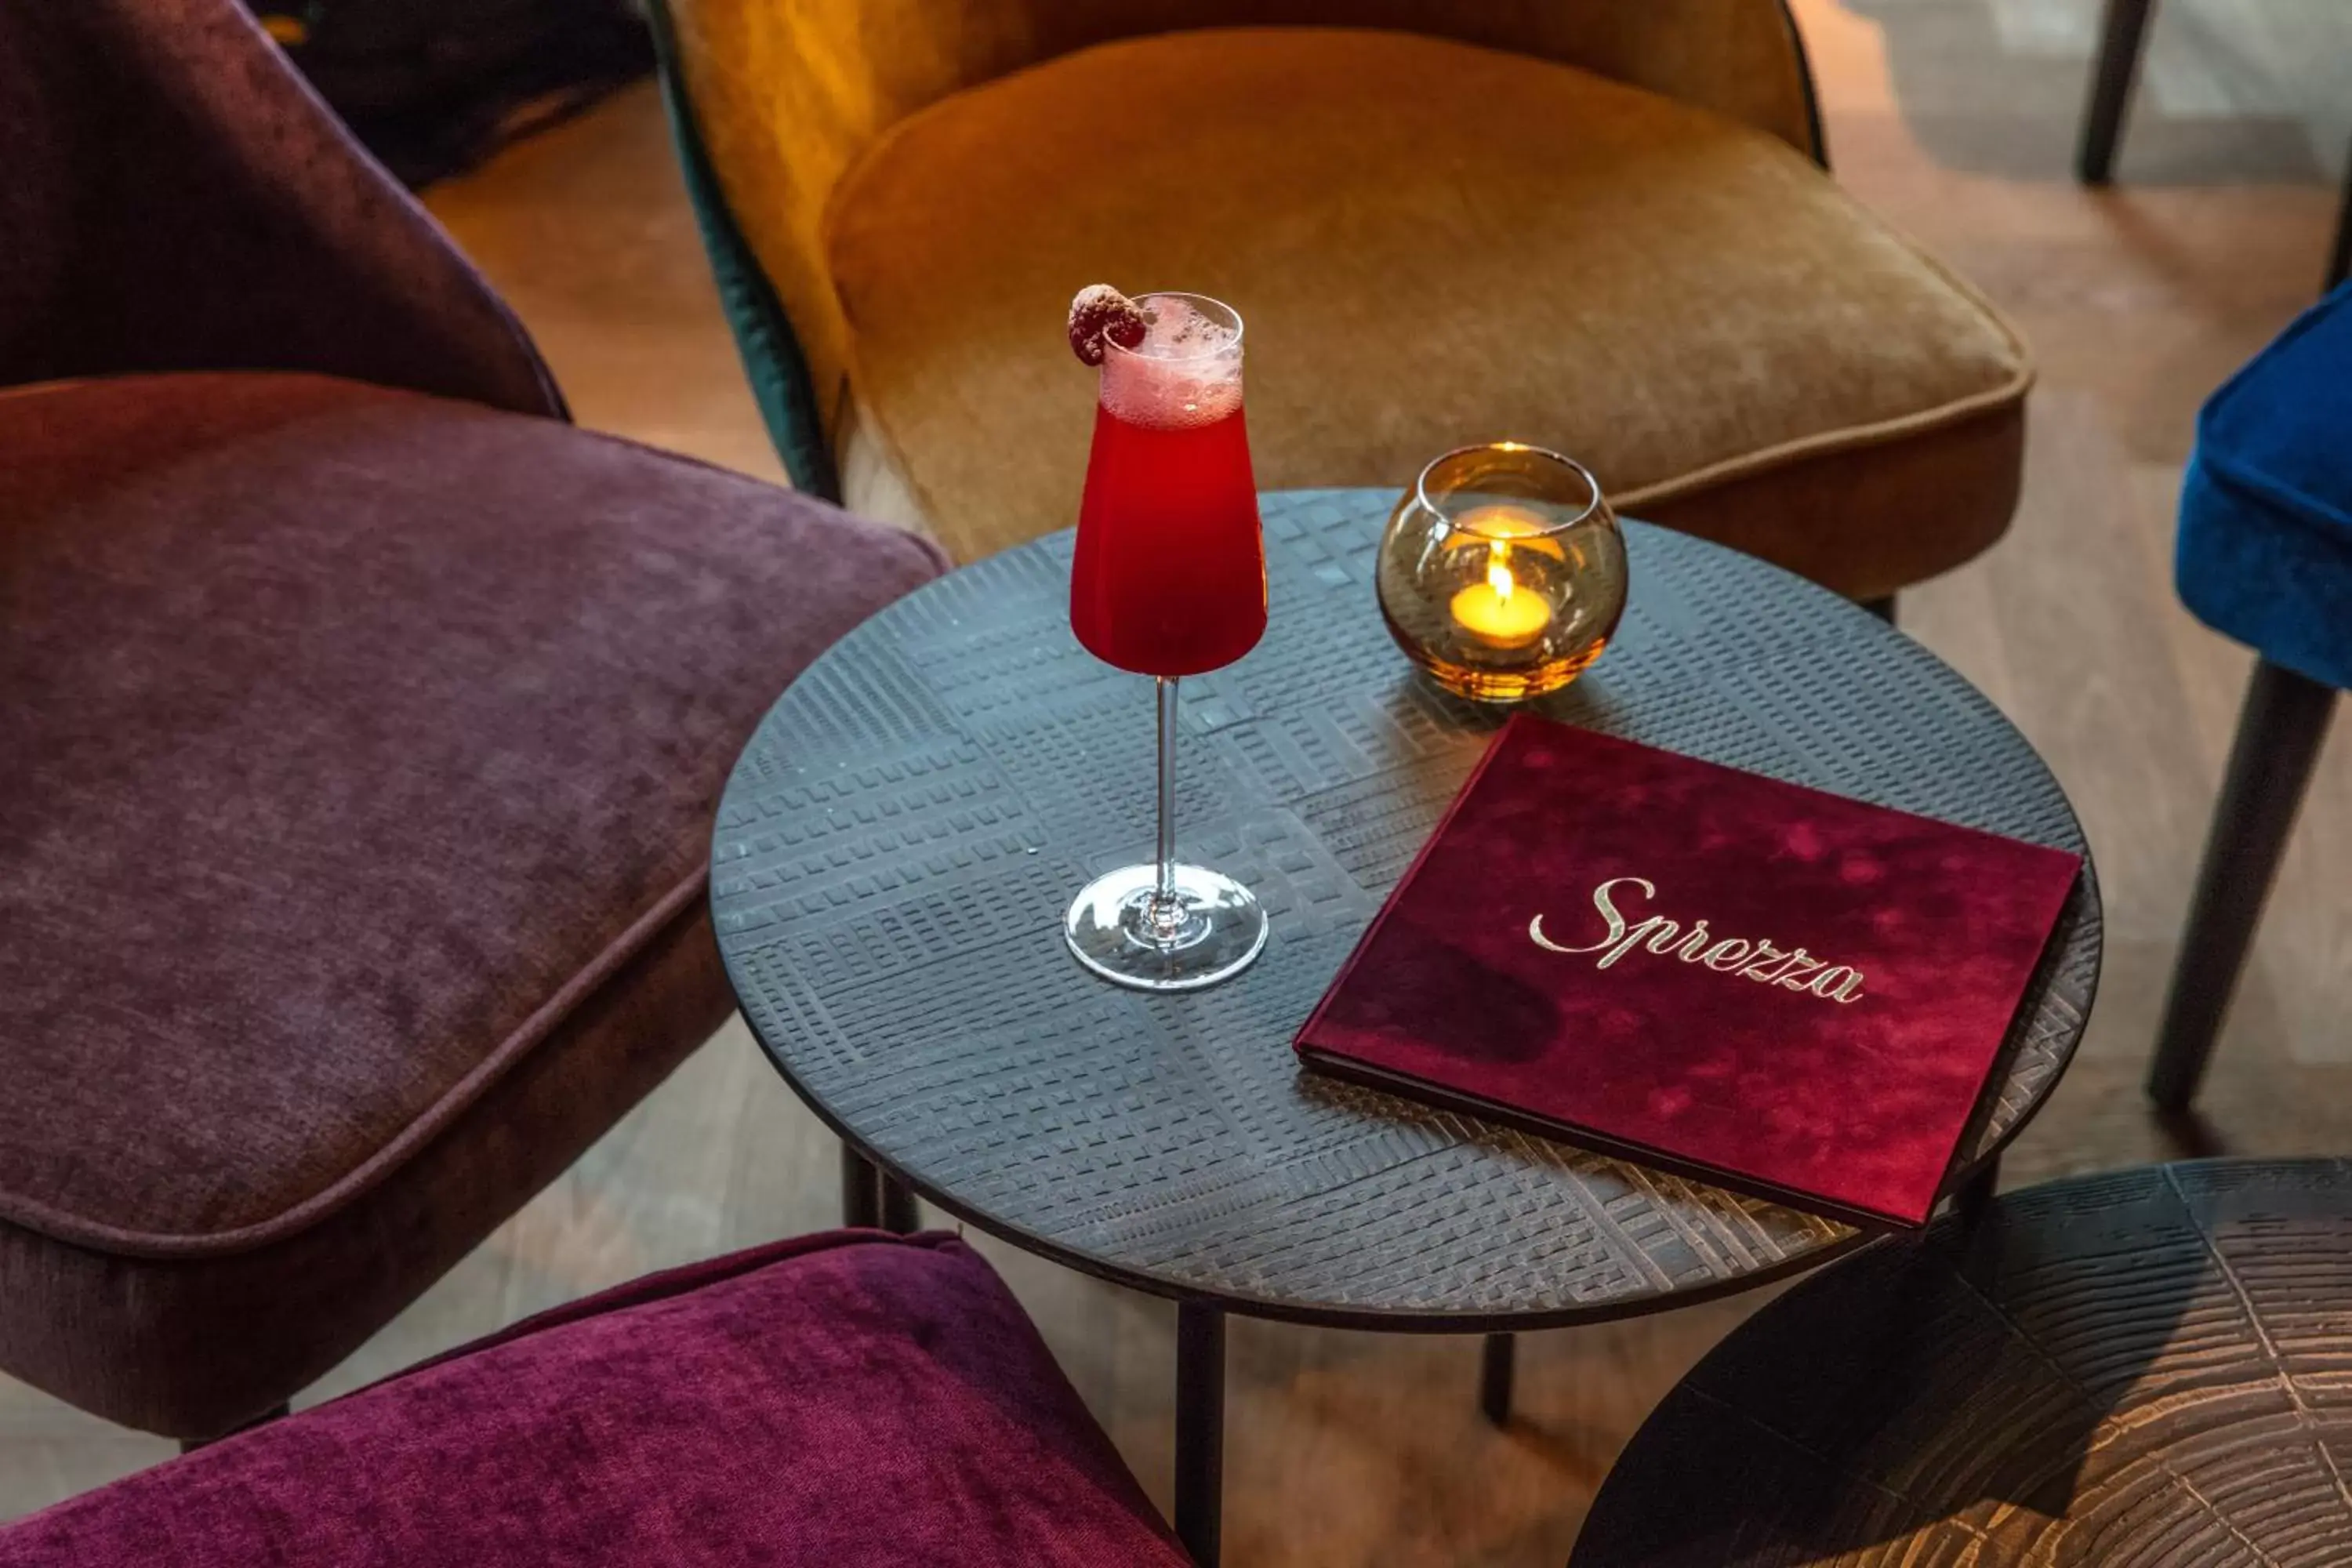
x=900, y=837
x=2136, y=1367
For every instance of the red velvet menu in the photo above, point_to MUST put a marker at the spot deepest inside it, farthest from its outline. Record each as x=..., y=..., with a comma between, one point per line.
x=1785, y=992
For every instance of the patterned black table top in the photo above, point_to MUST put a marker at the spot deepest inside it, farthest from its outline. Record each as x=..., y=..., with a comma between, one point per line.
x=899, y=842
x=2138, y=1369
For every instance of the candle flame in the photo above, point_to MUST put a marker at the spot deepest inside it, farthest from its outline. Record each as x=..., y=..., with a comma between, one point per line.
x=1499, y=578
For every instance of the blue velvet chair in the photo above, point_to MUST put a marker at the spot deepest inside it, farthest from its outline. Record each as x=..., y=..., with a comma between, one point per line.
x=2265, y=557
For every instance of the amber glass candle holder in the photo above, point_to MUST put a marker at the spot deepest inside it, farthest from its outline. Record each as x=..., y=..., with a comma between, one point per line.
x=1503, y=572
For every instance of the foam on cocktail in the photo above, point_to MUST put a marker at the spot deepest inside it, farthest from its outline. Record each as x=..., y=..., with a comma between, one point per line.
x=1186, y=372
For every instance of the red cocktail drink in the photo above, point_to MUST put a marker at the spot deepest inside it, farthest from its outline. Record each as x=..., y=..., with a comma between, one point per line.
x=1170, y=577
x=1168, y=581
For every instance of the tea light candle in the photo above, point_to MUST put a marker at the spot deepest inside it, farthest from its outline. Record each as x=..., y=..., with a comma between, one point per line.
x=1499, y=611
x=1501, y=573
x=1502, y=611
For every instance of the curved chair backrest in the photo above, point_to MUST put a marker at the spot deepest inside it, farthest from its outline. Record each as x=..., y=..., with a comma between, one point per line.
x=174, y=196
x=774, y=102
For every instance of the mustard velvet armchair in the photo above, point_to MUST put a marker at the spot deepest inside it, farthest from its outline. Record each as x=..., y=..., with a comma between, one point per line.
x=1598, y=226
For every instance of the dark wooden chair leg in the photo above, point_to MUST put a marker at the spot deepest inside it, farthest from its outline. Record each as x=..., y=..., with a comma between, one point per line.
x=1497, y=1370
x=2279, y=732
x=1200, y=1429
x=2339, y=255
x=1883, y=608
x=2111, y=87
x=899, y=1208
x=861, y=1191
x=189, y=1446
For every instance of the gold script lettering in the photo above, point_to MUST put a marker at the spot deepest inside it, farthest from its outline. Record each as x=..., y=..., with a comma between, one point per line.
x=1834, y=982
x=1760, y=959
x=1617, y=942
x=1695, y=943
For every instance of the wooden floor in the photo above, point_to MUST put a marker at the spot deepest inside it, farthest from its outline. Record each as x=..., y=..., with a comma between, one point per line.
x=1955, y=118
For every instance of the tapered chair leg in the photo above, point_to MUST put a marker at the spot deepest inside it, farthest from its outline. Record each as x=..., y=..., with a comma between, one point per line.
x=2111, y=87
x=2279, y=732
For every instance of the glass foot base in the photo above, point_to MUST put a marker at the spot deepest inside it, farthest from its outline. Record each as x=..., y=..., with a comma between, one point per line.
x=1212, y=933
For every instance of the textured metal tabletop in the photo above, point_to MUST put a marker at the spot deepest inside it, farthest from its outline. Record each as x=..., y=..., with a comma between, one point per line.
x=2140, y=1367
x=899, y=842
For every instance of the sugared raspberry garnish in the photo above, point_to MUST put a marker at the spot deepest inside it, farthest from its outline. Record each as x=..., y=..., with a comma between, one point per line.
x=1101, y=312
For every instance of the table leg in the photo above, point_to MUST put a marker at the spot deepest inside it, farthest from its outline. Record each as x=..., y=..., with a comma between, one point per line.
x=1496, y=1366
x=899, y=1207
x=861, y=1191
x=1199, y=1429
x=1974, y=1195
x=2339, y=255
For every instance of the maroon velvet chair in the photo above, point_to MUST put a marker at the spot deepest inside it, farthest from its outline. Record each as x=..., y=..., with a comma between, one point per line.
x=361, y=722
x=853, y=1400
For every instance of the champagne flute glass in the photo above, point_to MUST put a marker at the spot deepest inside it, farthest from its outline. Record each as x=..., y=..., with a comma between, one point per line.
x=1168, y=581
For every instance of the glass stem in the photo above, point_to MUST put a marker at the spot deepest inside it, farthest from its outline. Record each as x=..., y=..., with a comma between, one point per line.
x=1164, y=896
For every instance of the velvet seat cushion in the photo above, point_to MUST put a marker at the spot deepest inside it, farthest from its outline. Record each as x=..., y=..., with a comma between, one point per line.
x=1431, y=244
x=2265, y=550
x=849, y=1399
x=363, y=750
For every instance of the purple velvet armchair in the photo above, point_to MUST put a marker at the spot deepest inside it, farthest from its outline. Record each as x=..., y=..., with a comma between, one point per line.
x=361, y=723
